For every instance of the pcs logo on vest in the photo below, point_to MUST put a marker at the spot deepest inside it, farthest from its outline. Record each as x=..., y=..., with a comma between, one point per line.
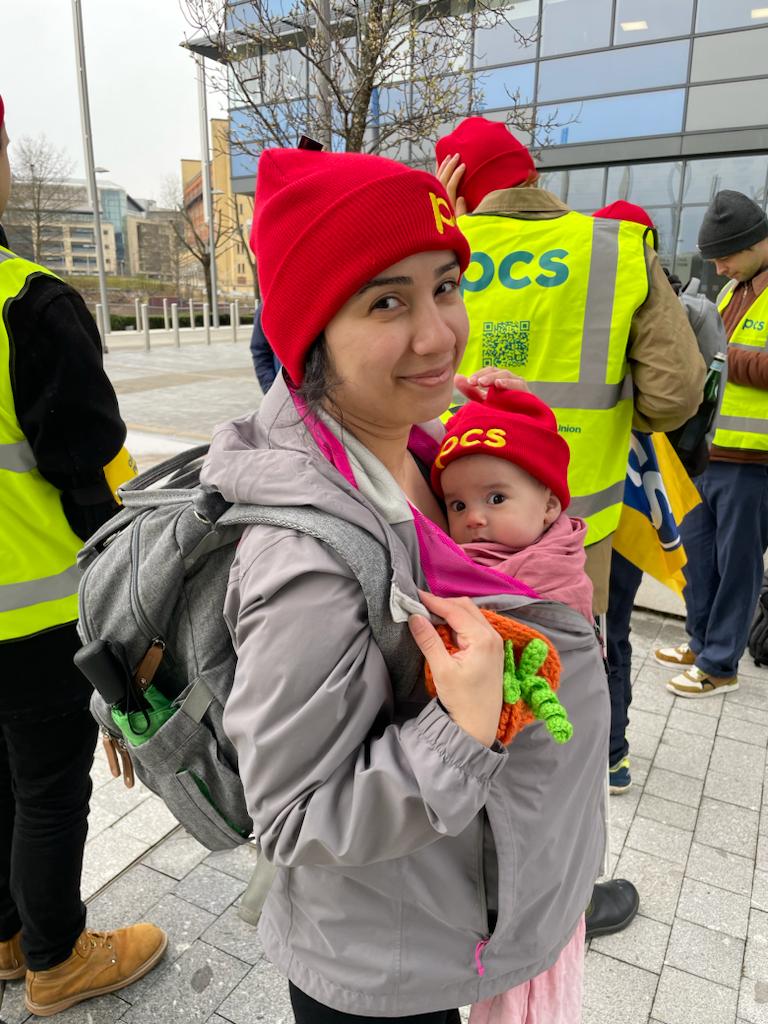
x=754, y=325
x=516, y=270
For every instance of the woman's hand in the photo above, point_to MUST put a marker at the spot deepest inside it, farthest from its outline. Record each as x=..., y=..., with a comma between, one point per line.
x=469, y=683
x=475, y=387
x=449, y=174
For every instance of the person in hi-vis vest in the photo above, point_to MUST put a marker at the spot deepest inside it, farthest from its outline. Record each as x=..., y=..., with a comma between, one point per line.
x=580, y=308
x=61, y=442
x=726, y=536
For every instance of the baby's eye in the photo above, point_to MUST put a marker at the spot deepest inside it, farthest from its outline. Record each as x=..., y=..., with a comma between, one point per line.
x=496, y=499
x=457, y=506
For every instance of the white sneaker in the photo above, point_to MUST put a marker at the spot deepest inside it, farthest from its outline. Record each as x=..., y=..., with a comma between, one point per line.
x=695, y=683
x=682, y=655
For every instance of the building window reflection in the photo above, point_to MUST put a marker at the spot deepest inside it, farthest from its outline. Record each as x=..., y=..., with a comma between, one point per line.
x=571, y=25
x=615, y=117
x=704, y=178
x=712, y=15
x=626, y=70
x=645, y=183
x=640, y=20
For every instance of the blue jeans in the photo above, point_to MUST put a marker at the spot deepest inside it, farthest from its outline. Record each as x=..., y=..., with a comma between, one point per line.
x=625, y=582
x=725, y=538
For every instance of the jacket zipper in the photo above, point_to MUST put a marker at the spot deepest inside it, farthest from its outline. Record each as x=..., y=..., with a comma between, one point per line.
x=480, y=947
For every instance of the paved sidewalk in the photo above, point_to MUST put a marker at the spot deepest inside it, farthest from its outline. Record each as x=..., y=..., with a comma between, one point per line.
x=692, y=833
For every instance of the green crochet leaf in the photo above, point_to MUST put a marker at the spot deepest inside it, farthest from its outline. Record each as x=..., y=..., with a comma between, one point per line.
x=522, y=682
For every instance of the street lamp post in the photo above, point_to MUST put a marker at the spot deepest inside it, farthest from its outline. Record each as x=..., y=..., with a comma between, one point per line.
x=207, y=192
x=90, y=170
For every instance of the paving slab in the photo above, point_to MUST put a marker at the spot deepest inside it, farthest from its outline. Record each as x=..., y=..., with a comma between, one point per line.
x=686, y=999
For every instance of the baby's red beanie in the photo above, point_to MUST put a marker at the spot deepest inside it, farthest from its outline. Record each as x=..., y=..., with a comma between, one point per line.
x=325, y=224
x=512, y=425
x=494, y=157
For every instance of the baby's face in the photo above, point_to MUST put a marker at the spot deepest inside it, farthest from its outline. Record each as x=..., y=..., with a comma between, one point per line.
x=490, y=499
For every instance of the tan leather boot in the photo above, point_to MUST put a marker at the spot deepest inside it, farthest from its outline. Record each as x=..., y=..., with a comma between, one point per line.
x=12, y=962
x=101, y=962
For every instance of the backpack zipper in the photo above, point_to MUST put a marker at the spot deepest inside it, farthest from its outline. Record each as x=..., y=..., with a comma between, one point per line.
x=144, y=624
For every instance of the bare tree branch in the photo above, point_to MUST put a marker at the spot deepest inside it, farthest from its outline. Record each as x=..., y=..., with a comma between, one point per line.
x=40, y=189
x=389, y=75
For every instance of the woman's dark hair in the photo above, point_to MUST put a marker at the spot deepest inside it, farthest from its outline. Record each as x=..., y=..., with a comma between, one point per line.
x=320, y=378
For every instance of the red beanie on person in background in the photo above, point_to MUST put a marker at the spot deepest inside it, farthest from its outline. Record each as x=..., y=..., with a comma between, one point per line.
x=622, y=210
x=512, y=425
x=325, y=224
x=493, y=157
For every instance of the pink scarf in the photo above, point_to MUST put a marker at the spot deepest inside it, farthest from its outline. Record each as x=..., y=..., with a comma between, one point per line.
x=553, y=566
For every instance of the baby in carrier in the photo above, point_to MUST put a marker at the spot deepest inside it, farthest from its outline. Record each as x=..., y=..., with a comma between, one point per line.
x=502, y=471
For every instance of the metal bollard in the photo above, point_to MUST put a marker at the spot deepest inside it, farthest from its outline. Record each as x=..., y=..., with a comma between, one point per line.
x=166, y=317
x=145, y=317
x=100, y=324
x=232, y=322
x=207, y=322
x=137, y=313
x=237, y=313
x=191, y=313
x=175, y=323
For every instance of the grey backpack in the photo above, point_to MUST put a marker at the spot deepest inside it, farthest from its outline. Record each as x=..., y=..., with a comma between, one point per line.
x=156, y=645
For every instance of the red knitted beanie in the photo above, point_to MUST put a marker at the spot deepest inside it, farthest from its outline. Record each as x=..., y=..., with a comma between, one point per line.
x=494, y=158
x=622, y=210
x=325, y=224
x=2, y=111
x=512, y=425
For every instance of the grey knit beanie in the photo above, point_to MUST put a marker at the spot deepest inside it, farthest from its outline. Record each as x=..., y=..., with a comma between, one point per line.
x=733, y=222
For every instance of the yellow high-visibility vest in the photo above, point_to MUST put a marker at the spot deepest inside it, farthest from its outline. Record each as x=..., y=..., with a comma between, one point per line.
x=742, y=421
x=38, y=574
x=553, y=301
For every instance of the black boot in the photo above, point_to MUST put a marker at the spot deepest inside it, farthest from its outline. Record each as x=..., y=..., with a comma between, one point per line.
x=612, y=907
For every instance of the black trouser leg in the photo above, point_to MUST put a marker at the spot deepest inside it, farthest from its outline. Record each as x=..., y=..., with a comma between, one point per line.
x=625, y=582
x=308, y=1011
x=47, y=738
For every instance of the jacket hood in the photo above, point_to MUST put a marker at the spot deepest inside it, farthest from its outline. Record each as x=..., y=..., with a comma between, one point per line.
x=269, y=457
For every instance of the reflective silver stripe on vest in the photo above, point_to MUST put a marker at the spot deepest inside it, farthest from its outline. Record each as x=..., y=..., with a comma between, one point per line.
x=48, y=588
x=580, y=395
x=17, y=457
x=598, y=310
x=591, y=391
x=743, y=424
x=7, y=256
x=749, y=348
x=590, y=504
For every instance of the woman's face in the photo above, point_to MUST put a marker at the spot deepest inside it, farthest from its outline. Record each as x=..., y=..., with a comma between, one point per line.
x=396, y=344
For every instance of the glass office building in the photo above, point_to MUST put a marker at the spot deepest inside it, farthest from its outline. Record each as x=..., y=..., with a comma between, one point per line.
x=659, y=102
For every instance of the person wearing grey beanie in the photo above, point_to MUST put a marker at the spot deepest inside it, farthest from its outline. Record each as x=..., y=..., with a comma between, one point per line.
x=726, y=536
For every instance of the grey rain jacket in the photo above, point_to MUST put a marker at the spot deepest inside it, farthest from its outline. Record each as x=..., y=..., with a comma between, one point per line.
x=394, y=832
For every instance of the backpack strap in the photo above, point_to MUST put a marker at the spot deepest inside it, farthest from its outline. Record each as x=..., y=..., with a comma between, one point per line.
x=370, y=562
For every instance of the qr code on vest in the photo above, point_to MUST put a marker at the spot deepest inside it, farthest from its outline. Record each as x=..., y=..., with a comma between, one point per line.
x=505, y=342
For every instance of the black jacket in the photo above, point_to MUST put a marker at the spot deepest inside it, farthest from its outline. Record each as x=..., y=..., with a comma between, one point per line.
x=265, y=362
x=63, y=399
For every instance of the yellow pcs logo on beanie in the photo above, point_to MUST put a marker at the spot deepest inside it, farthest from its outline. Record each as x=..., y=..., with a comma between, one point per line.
x=444, y=215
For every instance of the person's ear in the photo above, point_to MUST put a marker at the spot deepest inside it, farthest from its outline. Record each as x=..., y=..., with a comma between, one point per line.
x=553, y=508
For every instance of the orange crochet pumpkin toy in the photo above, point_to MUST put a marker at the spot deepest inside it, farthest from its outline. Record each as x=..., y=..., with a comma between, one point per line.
x=531, y=676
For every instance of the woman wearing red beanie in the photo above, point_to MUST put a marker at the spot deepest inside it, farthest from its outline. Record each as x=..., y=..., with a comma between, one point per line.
x=414, y=872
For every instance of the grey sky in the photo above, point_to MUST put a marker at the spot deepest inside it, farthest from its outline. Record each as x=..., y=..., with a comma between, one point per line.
x=142, y=84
